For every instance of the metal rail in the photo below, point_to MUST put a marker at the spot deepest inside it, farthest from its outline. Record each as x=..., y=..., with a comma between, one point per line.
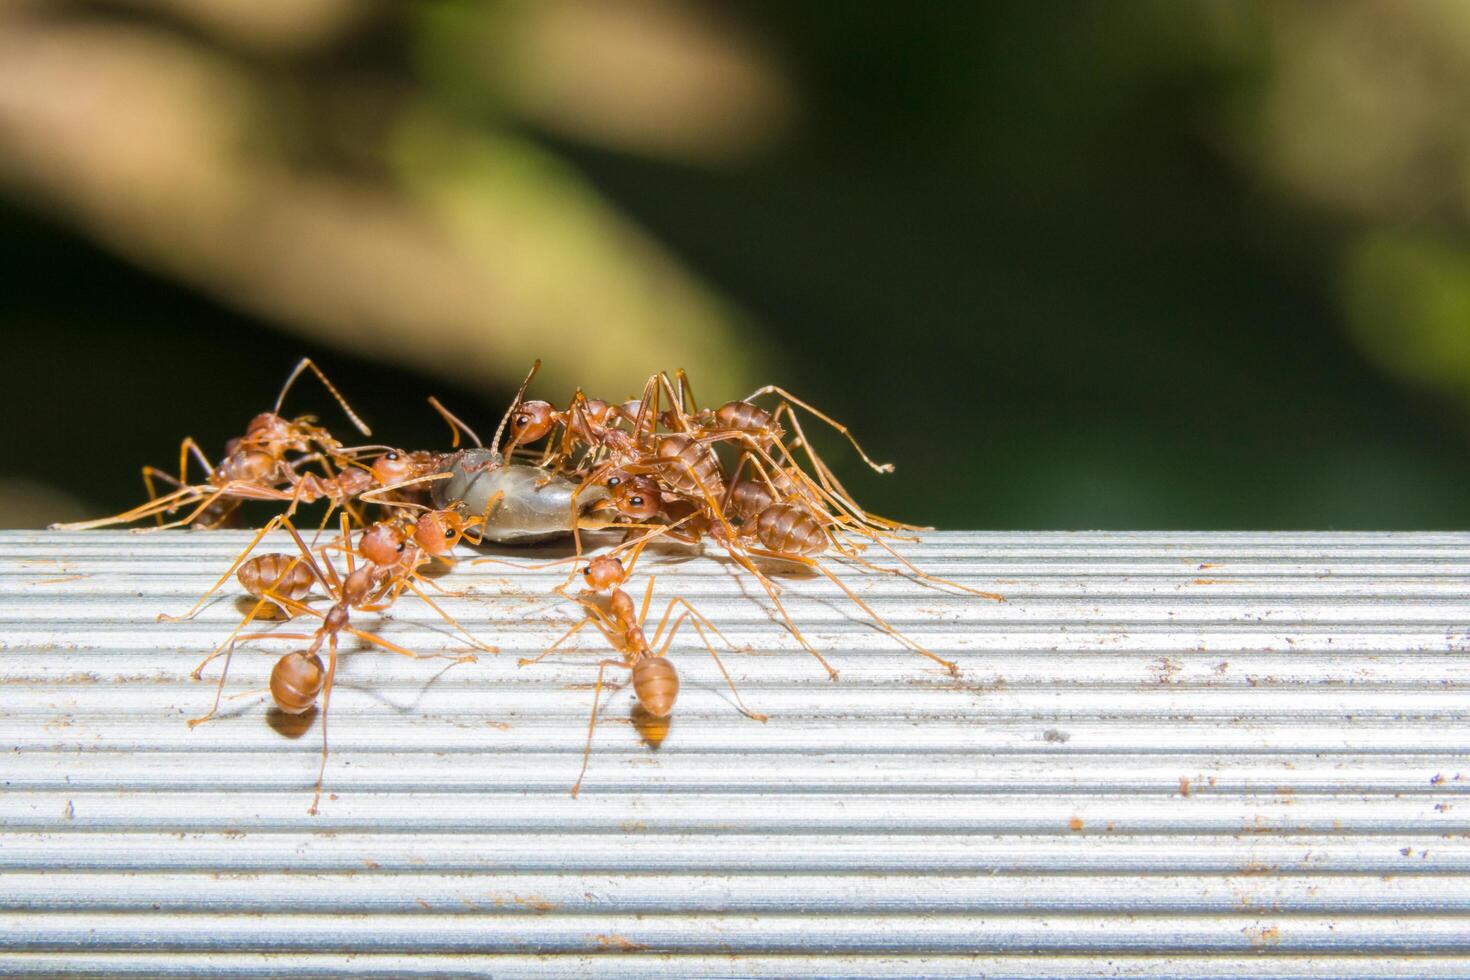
x=1167, y=755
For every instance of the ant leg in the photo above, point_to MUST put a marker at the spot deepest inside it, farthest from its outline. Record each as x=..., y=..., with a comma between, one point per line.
x=297, y=608
x=159, y=505
x=574, y=517
x=234, y=637
x=378, y=641
x=448, y=618
x=302, y=365
x=919, y=573
x=697, y=619
x=371, y=496
x=649, y=399
x=602, y=667
x=882, y=623
x=647, y=600
x=527, y=661
x=597, y=618
x=226, y=490
x=321, y=773
x=185, y=448
x=229, y=655
x=777, y=390
x=638, y=544
x=239, y=559
x=686, y=391
x=831, y=487
x=709, y=499
x=219, y=689
x=307, y=556
x=676, y=402
x=773, y=592
x=152, y=492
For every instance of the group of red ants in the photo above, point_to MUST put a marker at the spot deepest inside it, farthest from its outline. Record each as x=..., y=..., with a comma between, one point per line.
x=650, y=468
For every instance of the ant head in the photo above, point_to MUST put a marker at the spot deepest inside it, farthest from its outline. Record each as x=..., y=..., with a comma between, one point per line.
x=603, y=573
x=638, y=497
x=739, y=415
x=530, y=421
x=381, y=544
x=392, y=467
x=438, y=531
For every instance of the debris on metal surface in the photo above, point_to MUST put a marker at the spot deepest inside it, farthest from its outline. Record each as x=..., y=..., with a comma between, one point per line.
x=1166, y=755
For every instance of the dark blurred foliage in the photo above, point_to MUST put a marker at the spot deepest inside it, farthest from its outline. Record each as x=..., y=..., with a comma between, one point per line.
x=1046, y=257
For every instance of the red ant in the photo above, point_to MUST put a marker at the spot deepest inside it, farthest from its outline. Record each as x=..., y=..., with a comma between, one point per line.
x=655, y=680
x=253, y=467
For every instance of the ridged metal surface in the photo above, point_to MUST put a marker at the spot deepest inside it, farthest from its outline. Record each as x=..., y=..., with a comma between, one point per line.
x=1167, y=755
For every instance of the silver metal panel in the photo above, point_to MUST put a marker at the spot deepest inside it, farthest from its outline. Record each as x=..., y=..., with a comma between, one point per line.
x=1166, y=755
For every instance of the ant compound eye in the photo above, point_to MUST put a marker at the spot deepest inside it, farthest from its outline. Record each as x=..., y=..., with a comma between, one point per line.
x=390, y=455
x=400, y=546
x=636, y=501
x=587, y=570
x=449, y=532
x=613, y=481
x=523, y=420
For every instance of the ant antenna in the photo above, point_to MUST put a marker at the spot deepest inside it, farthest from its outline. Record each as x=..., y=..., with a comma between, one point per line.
x=520, y=395
x=455, y=423
x=305, y=363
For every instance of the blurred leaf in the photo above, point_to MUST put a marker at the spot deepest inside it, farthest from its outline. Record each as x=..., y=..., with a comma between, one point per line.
x=1408, y=302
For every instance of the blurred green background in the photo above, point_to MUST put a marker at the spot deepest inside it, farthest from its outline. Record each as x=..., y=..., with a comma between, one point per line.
x=1135, y=264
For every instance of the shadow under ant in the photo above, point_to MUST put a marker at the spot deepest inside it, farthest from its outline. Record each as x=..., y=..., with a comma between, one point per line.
x=411, y=706
x=244, y=604
x=288, y=725
x=652, y=730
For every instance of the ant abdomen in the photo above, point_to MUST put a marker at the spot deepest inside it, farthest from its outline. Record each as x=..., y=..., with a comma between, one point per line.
x=749, y=497
x=296, y=680
x=689, y=465
x=742, y=415
x=245, y=466
x=656, y=684
x=281, y=574
x=790, y=529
